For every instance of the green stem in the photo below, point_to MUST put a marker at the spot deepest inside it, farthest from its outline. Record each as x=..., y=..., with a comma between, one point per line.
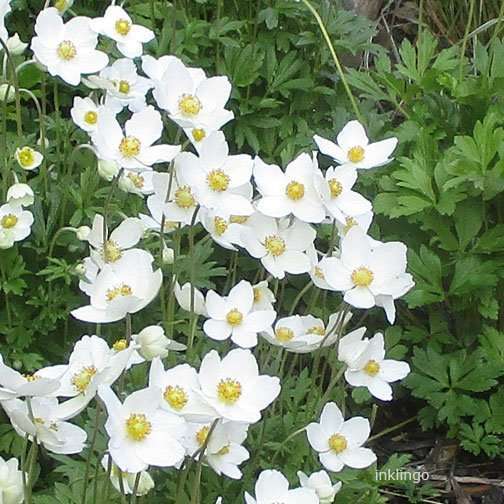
x=17, y=95
x=464, y=41
x=91, y=451
x=300, y=295
x=135, y=488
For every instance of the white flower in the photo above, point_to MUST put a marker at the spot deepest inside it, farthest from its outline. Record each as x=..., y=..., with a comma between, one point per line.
x=45, y=425
x=224, y=230
x=20, y=195
x=224, y=452
x=125, y=88
x=233, y=386
x=339, y=442
x=86, y=114
x=28, y=158
x=15, y=224
x=11, y=482
x=179, y=387
x=141, y=434
x=362, y=221
x=367, y=275
x=232, y=316
x=316, y=274
x=5, y=8
x=117, y=25
x=168, y=255
x=108, y=169
x=63, y=5
x=335, y=190
x=151, y=342
x=289, y=192
x=353, y=147
x=15, y=45
x=263, y=296
x=194, y=101
x=125, y=287
x=183, y=297
x=273, y=487
x=281, y=245
x=352, y=345
x=133, y=149
x=218, y=181
x=137, y=183
x=145, y=483
x=370, y=369
x=321, y=483
x=66, y=49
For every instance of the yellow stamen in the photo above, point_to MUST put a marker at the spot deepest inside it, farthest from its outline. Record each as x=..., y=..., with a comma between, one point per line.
x=124, y=87
x=218, y=181
x=138, y=427
x=238, y=219
x=123, y=290
x=26, y=157
x=294, y=190
x=198, y=134
x=9, y=221
x=184, y=197
x=137, y=180
x=372, y=368
x=189, y=105
x=129, y=147
x=234, y=317
x=176, y=397
x=229, y=391
x=123, y=27
x=362, y=277
x=317, y=271
x=338, y=443
x=111, y=251
x=284, y=334
x=275, y=245
x=202, y=435
x=319, y=330
x=82, y=379
x=220, y=225
x=120, y=345
x=349, y=224
x=91, y=117
x=356, y=154
x=335, y=187
x=66, y=50
x=257, y=295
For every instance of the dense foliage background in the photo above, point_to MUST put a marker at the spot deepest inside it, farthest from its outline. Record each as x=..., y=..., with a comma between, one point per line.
x=434, y=77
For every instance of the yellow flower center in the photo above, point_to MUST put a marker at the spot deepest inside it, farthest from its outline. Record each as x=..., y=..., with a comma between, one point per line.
x=123, y=27
x=229, y=391
x=123, y=290
x=129, y=146
x=189, y=105
x=120, y=345
x=372, y=368
x=320, y=330
x=124, y=87
x=61, y=5
x=198, y=134
x=238, y=219
x=217, y=180
x=349, y=224
x=66, y=50
x=294, y=190
x=91, y=117
x=202, y=435
x=137, y=180
x=138, y=427
x=362, y=277
x=274, y=245
x=184, y=197
x=234, y=317
x=224, y=450
x=317, y=271
x=220, y=225
x=338, y=443
x=26, y=157
x=9, y=221
x=284, y=334
x=257, y=295
x=335, y=187
x=30, y=377
x=111, y=251
x=356, y=154
x=82, y=379
x=176, y=397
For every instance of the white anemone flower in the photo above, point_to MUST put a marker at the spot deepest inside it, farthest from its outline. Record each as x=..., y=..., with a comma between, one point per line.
x=28, y=158
x=224, y=451
x=136, y=183
x=353, y=147
x=290, y=333
x=335, y=190
x=362, y=221
x=5, y=8
x=291, y=192
x=15, y=45
x=145, y=483
x=322, y=484
x=133, y=149
x=11, y=482
x=20, y=195
x=42, y=422
x=223, y=229
x=281, y=245
x=339, y=442
x=273, y=487
x=366, y=274
x=232, y=316
x=125, y=88
x=234, y=387
x=68, y=50
x=195, y=102
x=218, y=181
x=316, y=274
x=117, y=25
x=370, y=369
x=86, y=113
x=138, y=428
x=183, y=297
x=264, y=299
x=126, y=287
x=151, y=342
x=15, y=224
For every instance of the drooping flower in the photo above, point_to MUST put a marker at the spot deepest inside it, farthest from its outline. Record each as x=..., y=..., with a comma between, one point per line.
x=137, y=183
x=353, y=147
x=5, y=8
x=20, y=195
x=322, y=484
x=11, y=482
x=68, y=50
x=183, y=297
x=145, y=483
x=222, y=228
x=290, y=333
x=117, y=25
x=264, y=298
x=232, y=316
x=152, y=342
x=339, y=442
x=28, y=158
x=15, y=45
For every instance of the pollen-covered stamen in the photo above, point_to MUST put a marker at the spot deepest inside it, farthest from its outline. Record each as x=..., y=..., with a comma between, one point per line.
x=218, y=181
x=338, y=443
x=189, y=105
x=122, y=290
x=111, y=251
x=317, y=271
x=66, y=50
x=356, y=154
x=122, y=27
x=238, y=219
x=372, y=368
x=199, y=134
x=220, y=225
x=229, y=391
x=176, y=397
x=335, y=187
x=184, y=197
x=319, y=330
x=257, y=295
x=120, y=345
x=274, y=245
x=137, y=180
x=362, y=277
x=284, y=334
x=8, y=221
x=234, y=317
x=224, y=450
x=91, y=117
x=138, y=427
x=349, y=224
x=123, y=87
x=31, y=377
x=26, y=157
x=130, y=147
x=82, y=379
x=295, y=190
x=202, y=434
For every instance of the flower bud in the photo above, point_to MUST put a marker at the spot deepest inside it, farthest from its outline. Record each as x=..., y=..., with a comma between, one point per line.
x=168, y=255
x=7, y=93
x=15, y=45
x=107, y=169
x=20, y=194
x=83, y=232
x=11, y=481
x=80, y=269
x=152, y=342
